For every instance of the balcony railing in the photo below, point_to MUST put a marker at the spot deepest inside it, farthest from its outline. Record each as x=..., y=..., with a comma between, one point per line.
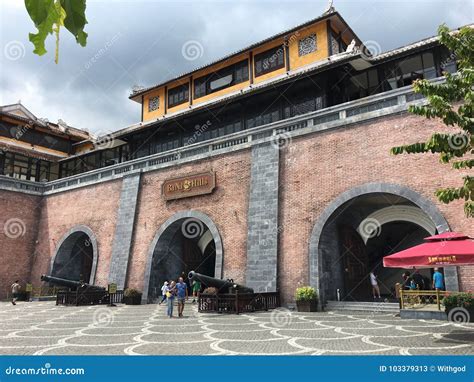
x=391, y=102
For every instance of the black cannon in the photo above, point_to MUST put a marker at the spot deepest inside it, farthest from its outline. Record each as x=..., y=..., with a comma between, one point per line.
x=71, y=283
x=223, y=286
x=77, y=292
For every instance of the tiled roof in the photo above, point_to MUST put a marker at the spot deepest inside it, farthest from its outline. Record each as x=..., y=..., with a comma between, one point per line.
x=240, y=51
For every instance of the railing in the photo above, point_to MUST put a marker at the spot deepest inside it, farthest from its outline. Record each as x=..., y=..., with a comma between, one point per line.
x=367, y=108
x=238, y=302
x=67, y=297
x=421, y=299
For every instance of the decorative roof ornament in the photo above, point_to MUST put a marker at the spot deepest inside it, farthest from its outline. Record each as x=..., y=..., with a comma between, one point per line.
x=137, y=88
x=62, y=125
x=351, y=47
x=330, y=8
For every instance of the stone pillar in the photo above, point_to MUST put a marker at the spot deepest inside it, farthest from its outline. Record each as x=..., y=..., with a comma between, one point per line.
x=451, y=279
x=262, y=237
x=124, y=230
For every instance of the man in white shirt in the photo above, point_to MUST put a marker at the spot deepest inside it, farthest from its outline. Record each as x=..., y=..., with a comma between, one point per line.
x=375, y=285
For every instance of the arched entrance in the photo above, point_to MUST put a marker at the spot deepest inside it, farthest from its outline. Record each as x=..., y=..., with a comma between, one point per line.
x=76, y=256
x=362, y=226
x=187, y=241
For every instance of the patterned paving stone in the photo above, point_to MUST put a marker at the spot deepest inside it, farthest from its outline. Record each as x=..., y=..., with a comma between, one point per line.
x=261, y=335
x=274, y=346
x=201, y=348
x=342, y=345
x=44, y=328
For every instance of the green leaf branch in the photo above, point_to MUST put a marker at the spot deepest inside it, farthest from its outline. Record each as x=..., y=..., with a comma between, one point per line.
x=50, y=15
x=452, y=103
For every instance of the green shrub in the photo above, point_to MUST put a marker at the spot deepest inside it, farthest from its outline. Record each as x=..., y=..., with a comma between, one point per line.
x=306, y=293
x=130, y=292
x=463, y=300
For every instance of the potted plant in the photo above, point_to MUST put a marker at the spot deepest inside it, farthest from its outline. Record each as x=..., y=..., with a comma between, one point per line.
x=132, y=297
x=306, y=299
x=453, y=301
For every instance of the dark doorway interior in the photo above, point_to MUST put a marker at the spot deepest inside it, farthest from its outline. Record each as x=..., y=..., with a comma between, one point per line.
x=74, y=258
x=179, y=251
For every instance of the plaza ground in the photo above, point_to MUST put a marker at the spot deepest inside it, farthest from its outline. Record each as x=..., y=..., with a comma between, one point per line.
x=43, y=328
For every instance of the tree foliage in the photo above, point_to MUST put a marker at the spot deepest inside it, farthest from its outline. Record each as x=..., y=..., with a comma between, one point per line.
x=452, y=103
x=50, y=15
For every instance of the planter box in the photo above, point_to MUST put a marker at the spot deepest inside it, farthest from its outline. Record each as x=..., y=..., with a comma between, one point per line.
x=132, y=300
x=307, y=306
x=460, y=315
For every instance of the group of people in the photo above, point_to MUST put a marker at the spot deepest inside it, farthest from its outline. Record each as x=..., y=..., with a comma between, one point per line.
x=411, y=281
x=417, y=281
x=179, y=290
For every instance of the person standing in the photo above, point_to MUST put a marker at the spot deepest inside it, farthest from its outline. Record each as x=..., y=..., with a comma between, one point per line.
x=15, y=291
x=163, y=292
x=418, y=280
x=170, y=293
x=375, y=285
x=406, y=280
x=196, y=290
x=438, y=280
x=182, y=293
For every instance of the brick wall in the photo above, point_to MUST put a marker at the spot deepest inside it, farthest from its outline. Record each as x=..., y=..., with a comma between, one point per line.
x=19, y=214
x=226, y=206
x=95, y=207
x=316, y=169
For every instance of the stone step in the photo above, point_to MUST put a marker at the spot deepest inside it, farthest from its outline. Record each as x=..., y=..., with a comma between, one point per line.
x=363, y=306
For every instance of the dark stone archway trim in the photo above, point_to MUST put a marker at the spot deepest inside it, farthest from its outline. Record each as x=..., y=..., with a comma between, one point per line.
x=86, y=230
x=184, y=215
x=419, y=200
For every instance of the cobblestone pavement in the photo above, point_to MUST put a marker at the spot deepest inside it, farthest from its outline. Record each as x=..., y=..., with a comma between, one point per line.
x=44, y=328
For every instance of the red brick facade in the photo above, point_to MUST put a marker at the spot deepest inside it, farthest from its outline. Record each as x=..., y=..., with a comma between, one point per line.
x=314, y=170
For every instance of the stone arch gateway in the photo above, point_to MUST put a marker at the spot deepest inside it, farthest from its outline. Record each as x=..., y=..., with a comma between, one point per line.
x=181, y=231
x=320, y=240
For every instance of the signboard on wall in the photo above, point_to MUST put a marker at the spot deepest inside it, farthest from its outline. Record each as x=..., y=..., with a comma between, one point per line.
x=190, y=185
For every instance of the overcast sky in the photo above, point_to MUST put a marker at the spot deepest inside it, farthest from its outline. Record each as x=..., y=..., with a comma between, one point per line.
x=144, y=42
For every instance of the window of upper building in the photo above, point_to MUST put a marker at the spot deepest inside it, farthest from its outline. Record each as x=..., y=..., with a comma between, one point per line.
x=337, y=44
x=221, y=79
x=307, y=45
x=362, y=85
x=406, y=70
x=178, y=95
x=269, y=60
x=153, y=104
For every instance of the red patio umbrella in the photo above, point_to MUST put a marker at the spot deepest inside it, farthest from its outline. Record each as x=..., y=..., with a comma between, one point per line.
x=446, y=249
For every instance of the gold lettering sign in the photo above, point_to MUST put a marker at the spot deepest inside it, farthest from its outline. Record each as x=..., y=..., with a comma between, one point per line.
x=191, y=185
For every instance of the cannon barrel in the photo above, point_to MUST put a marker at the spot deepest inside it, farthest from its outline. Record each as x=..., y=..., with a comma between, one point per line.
x=69, y=283
x=227, y=285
